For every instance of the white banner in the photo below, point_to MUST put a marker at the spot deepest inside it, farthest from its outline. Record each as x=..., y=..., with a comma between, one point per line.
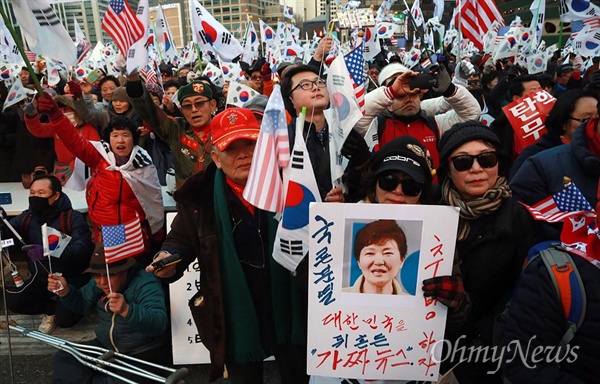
x=387, y=335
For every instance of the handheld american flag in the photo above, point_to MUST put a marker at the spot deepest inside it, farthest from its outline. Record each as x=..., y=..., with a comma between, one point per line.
x=566, y=203
x=122, y=25
x=122, y=240
x=264, y=188
x=355, y=63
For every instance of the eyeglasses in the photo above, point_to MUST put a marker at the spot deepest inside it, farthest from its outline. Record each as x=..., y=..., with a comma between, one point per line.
x=307, y=85
x=389, y=182
x=257, y=77
x=198, y=104
x=465, y=162
x=581, y=121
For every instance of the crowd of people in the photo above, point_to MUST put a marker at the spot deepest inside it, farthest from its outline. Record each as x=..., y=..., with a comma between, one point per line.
x=432, y=148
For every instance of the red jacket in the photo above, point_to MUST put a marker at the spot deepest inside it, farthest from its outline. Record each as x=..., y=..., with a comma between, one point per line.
x=109, y=197
x=45, y=130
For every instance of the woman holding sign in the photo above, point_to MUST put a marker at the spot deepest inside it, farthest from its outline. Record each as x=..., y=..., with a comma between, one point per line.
x=494, y=235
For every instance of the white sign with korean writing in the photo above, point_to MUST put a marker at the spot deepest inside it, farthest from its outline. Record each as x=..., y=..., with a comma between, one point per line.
x=186, y=343
x=368, y=318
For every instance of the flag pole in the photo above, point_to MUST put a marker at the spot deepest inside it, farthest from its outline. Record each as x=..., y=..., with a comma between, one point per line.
x=414, y=24
x=19, y=45
x=537, y=16
x=199, y=54
x=560, y=35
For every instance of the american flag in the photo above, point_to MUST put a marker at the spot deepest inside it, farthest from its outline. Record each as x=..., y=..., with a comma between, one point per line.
x=566, y=203
x=122, y=240
x=31, y=56
x=149, y=74
x=264, y=188
x=578, y=25
x=476, y=18
x=355, y=62
x=122, y=25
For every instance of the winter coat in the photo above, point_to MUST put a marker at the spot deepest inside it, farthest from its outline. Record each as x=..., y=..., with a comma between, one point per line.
x=64, y=157
x=545, y=142
x=447, y=111
x=542, y=175
x=146, y=323
x=536, y=312
x=190, y=154
x=491, y=258
x=76, y=256
x=99, y=114
x=110, y=198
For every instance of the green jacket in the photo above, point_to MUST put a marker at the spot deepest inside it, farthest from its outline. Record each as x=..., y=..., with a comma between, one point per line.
x=190, y=155
x=146, y=323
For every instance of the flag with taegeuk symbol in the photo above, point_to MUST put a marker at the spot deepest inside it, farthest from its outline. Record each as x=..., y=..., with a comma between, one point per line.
x=566, y=203
x=122, y=240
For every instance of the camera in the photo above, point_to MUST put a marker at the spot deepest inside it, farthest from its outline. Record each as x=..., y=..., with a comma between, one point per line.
x=423, y=81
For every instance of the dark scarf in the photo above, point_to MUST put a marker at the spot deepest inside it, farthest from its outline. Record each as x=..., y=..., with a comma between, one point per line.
x=242, y=330
x=469, y=210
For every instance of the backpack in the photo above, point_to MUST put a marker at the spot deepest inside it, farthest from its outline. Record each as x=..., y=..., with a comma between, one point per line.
x=569, y=288
x=64, y=221
x=566, y=280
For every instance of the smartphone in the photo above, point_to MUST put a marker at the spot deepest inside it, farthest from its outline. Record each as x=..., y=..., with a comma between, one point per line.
x=423, y=81
x=169, y=260
x=94, y=76
x=5, y=198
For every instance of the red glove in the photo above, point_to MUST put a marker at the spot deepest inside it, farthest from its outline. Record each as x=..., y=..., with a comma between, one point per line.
x=48, y=106
x=75, y=89
x=265, y=71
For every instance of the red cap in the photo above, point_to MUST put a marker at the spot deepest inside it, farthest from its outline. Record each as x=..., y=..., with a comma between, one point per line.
x=233, y=124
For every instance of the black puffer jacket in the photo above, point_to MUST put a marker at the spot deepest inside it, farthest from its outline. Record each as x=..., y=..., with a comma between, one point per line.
x=536, y=312
x=491, y=259
x=542, y=175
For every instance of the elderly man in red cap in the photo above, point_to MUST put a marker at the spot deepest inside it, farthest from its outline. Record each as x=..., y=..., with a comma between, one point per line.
x=247, y=307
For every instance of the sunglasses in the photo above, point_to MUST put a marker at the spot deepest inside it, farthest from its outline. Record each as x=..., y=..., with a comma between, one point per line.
x=390, y=182
x=465, y=162
x=198, y=104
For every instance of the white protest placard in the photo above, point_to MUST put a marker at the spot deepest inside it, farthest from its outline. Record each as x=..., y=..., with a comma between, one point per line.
x=186, y=343
x=358, y=335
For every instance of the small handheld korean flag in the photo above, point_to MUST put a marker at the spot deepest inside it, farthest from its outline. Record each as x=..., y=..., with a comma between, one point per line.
x=238, y=94
x=291, y=240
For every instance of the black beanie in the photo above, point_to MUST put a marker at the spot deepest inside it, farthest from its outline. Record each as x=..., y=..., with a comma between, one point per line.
x=462, y=133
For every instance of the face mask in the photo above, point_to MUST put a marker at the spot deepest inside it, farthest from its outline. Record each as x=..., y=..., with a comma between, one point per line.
x=182, y=80
x=38, y=204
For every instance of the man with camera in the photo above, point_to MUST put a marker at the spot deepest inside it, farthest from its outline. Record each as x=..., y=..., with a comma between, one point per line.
x=398, y=111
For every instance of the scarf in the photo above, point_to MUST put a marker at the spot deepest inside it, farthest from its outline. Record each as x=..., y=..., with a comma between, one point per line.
x=469, y=210
x=238, y=192
x=592, y=138
x=242, y=329
x=140, y=174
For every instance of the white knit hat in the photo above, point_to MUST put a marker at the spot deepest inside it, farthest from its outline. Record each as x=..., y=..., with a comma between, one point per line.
x=390, y=70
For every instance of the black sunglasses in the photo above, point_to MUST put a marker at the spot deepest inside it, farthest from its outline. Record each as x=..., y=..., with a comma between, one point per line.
x=581, y=121
x=389, y=182
x=465, y=162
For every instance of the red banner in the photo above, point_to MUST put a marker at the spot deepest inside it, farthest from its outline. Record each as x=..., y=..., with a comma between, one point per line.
x=527, y=116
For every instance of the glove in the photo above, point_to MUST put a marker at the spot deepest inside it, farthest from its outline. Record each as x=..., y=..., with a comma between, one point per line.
x=75, y=89
x=445, y=86
x=34, y=252
x=448, y=290
x=466, y=69
x=513, y=71
x=47, y=105
x=30, y=110
x=356, y=149
x=265, y=71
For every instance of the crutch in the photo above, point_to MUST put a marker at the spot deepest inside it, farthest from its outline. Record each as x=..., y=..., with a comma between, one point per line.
x=101, y=359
